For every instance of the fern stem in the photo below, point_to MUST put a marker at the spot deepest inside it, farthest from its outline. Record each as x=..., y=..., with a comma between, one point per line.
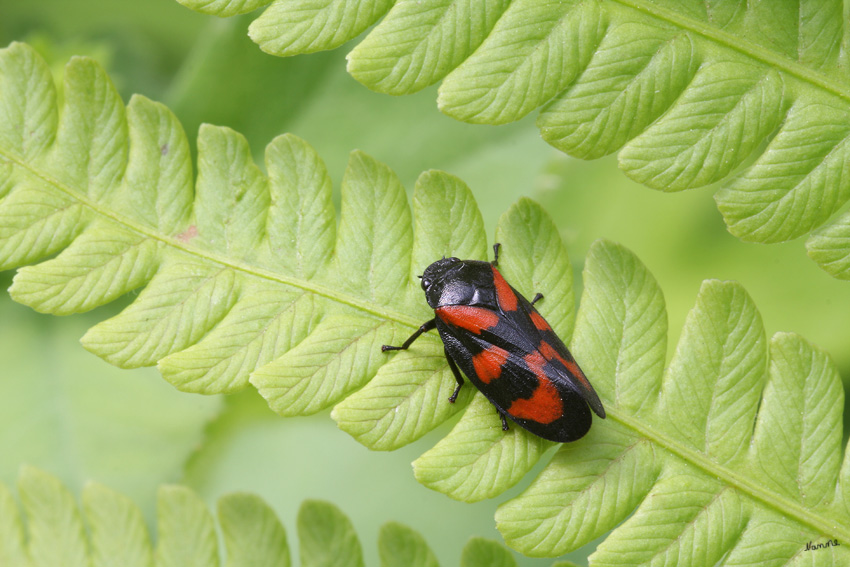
x=740, y=45
x=779, y=503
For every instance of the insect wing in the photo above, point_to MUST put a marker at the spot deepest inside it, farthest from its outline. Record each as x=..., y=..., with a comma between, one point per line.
x=497, y=354
x=559, y=365
x=558, y=357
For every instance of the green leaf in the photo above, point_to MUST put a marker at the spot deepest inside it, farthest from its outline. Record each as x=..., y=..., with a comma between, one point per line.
x=419, y=43
x=712, y=386
x=611, y=104
x=338, y=358
x=447, y=221
x=406, y=399
x=101, y=265
x=801, y=408
x=249, y=336
x=327, y=537
x=186, y=530
x=183, y=301
x=301, y=209
x=232, y=195
x=719, y=120
x=252, y=533
x=30, y=113
x=478, y=460
x=224, y=7
x=93, y=132
x=375, y=232
x=624, y=343
x=400, y=546
x=56, y=533
x=828, y=247
x=797, y=183
x=480, y=552
x=12, y=544
x=307, y=26
x=535, y=50
x=753, y=97
x=117, y=529
x=159, y=158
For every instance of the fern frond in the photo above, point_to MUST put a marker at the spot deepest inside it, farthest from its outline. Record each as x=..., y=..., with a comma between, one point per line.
x=109, y=529
x=755, y=98
x=715, y=460
x=248, y=279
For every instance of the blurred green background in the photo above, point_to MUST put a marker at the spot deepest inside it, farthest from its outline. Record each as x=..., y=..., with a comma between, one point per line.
x=70, y=413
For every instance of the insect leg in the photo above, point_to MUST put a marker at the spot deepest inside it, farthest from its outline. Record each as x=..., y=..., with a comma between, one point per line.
x=504, y=421
x=496, y=247
x=458, y=377
x=537, y=298
x=426, y=326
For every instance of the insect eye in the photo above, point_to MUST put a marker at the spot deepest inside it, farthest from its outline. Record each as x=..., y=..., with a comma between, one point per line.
x=426, y=283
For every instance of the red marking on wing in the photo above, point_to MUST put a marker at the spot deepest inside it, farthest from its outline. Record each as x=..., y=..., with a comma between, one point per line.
x=488, y=363
x=544, y=406
x=549, y=353
x=472, y=319
x=539, y=322
x=504, y=294
x=535, y=362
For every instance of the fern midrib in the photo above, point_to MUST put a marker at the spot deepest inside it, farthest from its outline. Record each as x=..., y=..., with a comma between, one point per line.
x=307, y=285
x=739, y=44
x=781, y=504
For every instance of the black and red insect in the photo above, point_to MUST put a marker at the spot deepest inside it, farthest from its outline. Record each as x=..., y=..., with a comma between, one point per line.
x=506, y=348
